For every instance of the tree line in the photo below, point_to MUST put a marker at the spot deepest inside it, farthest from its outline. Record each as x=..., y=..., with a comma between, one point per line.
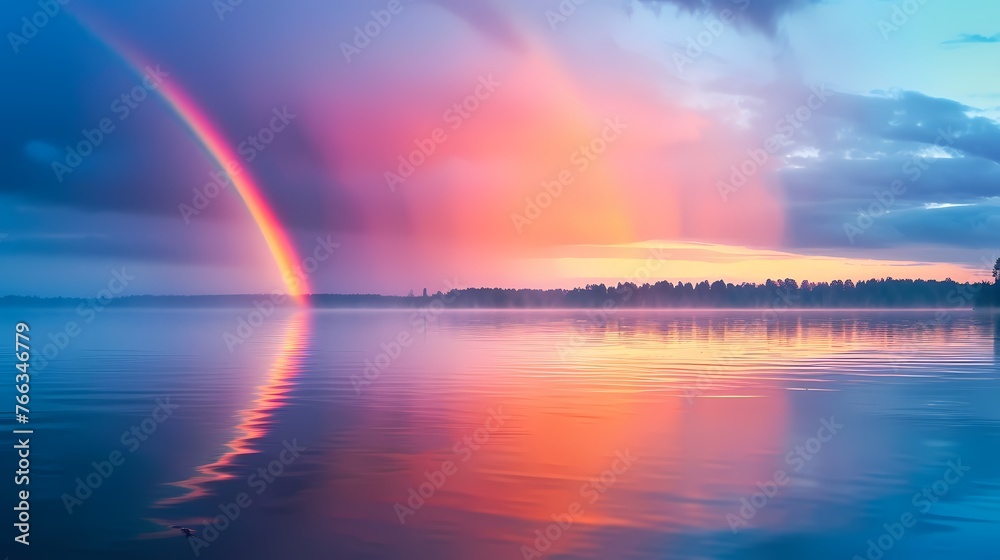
x=786, y=293
x=776, y=294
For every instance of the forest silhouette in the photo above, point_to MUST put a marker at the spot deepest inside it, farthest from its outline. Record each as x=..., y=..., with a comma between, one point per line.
x=776, y=294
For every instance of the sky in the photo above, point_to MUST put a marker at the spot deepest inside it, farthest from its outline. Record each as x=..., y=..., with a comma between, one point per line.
x=383, y=146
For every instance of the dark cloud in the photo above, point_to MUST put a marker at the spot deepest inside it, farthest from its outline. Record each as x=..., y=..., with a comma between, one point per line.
x=936, y=151
x=762, y=15
x=840, y=182
x=976, y=226
x=35, y=228
x=137, y=248
x=914, y=117
x=824, y=197
x=150, y=163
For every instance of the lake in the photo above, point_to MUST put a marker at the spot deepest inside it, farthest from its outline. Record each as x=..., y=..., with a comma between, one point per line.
x=489, y=435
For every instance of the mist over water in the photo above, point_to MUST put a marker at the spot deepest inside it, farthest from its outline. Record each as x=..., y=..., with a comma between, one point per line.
x=566, y=434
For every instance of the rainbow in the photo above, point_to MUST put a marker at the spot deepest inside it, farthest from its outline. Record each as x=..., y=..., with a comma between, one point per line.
x=215, y=144
x=285, y=256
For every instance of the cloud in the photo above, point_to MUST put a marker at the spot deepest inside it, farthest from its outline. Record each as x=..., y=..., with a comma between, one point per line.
x=909, y=116
x=764, y=16
x=973, y=38
x=866, y=143
x=327, y=171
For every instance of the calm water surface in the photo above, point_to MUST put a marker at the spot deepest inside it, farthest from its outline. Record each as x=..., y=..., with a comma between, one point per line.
x=488, y=435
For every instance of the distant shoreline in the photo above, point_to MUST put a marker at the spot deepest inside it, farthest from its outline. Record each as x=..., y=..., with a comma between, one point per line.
x=874, y=294
x=156, y=302
x=417, y=303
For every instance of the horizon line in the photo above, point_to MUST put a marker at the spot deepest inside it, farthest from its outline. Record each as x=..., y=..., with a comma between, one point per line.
x=432, y=294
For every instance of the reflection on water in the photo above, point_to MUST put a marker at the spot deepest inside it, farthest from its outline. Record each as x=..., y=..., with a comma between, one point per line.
x=253, y=424
x=489, y=435
x=255, y=419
